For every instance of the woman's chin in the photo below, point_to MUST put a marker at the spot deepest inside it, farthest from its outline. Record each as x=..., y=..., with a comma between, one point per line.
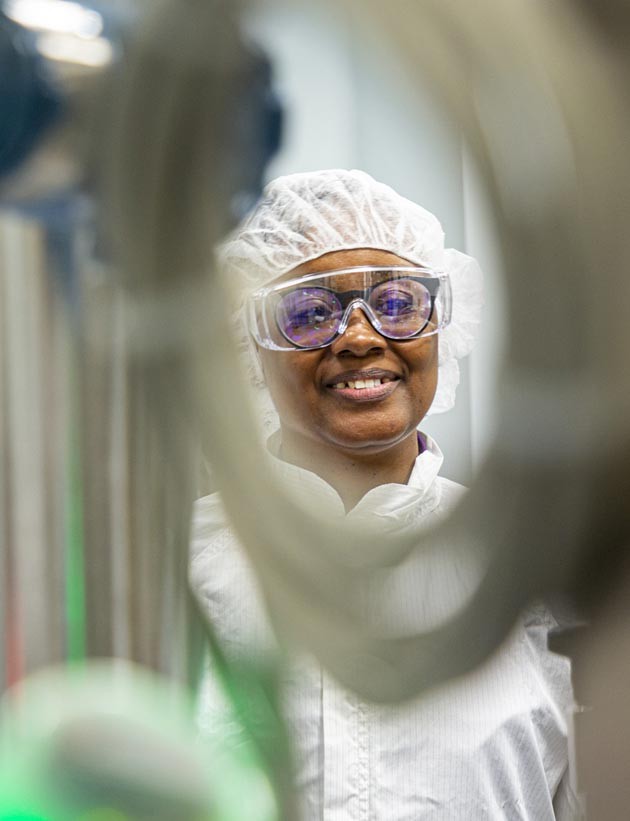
x=361, y=439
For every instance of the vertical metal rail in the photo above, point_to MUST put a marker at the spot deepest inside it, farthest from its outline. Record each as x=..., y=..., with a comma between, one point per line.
x=34, y=431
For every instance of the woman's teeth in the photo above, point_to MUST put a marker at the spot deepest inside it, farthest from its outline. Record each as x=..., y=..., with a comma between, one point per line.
x=359, y=384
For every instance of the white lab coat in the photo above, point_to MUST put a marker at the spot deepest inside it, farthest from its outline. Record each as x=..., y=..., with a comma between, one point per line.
x=492, y=745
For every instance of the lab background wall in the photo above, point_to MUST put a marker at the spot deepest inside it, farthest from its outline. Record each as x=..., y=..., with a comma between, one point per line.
x=350, y=104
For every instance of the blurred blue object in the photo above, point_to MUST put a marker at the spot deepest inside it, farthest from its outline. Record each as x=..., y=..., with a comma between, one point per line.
x=61, y=65
x=54, y=56
x=30, y=104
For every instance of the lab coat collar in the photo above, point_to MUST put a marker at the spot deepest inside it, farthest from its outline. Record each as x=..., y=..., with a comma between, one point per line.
x=393, y=502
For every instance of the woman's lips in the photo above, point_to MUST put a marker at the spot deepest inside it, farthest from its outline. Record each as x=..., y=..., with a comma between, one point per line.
x=365, y=394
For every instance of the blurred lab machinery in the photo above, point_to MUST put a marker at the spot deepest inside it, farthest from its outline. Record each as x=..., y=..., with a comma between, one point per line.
x=98, y=473
x=128, y=147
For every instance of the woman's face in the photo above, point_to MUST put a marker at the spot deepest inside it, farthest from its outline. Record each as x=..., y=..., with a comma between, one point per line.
x=302, y=383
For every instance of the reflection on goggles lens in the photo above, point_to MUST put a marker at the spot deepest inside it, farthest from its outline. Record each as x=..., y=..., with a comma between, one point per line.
x=310, y=317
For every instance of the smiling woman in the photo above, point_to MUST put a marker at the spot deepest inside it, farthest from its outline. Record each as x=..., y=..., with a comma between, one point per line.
x=349, y=411
x=357, y=314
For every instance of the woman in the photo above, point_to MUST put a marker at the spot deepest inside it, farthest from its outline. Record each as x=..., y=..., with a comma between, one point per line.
x=357, y=315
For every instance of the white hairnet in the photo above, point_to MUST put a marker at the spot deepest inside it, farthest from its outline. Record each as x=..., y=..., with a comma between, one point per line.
x=304, y=216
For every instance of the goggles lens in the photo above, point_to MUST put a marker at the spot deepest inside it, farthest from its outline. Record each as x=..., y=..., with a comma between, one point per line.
x=401, y=303
x=309, y=317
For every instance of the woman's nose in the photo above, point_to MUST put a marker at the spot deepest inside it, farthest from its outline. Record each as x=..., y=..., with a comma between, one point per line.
x=359, y=338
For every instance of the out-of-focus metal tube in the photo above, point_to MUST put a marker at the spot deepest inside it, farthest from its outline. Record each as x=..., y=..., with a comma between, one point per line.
x=559, y=206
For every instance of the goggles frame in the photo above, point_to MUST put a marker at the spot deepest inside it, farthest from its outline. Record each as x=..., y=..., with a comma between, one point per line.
x=264, y=326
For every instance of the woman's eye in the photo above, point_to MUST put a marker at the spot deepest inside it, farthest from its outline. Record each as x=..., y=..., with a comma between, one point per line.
x=395, y=303
x=310, y=315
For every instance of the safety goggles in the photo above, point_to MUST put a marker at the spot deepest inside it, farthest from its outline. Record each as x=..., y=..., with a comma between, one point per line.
x=312, y=311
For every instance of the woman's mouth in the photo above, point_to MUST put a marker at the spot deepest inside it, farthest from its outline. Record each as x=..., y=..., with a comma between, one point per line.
x=362, y=390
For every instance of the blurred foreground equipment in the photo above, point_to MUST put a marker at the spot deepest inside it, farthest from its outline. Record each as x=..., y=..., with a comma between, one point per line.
x=98, y=471
x=110, y=375
x=113, y=741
